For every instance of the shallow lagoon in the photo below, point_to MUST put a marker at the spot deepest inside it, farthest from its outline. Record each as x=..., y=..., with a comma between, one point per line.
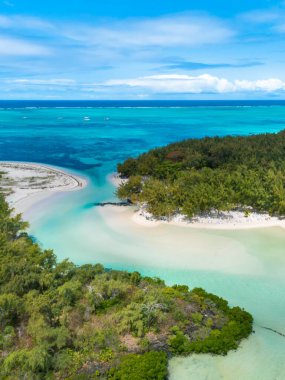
x=246, y=267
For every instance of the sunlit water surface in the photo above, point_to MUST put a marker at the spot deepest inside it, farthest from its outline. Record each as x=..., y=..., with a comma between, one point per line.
x=245, y=267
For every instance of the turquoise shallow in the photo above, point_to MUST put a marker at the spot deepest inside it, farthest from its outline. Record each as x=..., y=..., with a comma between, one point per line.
x=247, y=267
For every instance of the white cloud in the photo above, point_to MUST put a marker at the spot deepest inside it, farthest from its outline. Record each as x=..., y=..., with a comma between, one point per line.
x=32, y=48
x=110, y=39
x=24, y=22
x=4, y=21
x=157, y=84
x=264, y=20
x=171, y=30
x=265, y=85
x=18, y=47
x=39, y=82
x=280, y=27
x=205, y=83
x=175, y=30
x=261, y=16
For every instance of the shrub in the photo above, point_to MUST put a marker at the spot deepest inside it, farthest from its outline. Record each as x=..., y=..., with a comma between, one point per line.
x=149, y=366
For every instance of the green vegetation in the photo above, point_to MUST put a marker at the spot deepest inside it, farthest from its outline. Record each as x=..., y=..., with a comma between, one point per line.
x=150, y=366
x=195, y=176
x=62, y=321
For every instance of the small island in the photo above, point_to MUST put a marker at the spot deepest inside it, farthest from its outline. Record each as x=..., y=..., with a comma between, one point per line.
x=62, y=321
x=233, y=179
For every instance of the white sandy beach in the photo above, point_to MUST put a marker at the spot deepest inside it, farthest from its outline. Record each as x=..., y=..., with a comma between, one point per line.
x=25, y=184
x=224, y=220
x=115, y=179
x=230, y=220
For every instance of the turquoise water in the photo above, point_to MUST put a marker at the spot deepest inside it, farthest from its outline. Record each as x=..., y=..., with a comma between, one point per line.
x=246, y=267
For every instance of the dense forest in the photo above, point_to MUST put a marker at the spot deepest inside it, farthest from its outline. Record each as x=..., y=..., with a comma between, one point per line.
x=62, y=321
x=213, y=173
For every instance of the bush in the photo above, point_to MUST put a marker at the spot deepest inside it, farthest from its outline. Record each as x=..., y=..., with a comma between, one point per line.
x=149, y=366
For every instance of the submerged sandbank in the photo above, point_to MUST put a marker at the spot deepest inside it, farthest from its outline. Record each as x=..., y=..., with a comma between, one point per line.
x=25, y=184
x=169, y=247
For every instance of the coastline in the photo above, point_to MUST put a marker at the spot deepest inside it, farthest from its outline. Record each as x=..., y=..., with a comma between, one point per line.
x=228, y=220
x=27, y=183
x=231, y=220
x=115, y=179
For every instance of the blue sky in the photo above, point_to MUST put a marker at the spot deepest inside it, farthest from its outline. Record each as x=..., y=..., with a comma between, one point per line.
x=89, y=49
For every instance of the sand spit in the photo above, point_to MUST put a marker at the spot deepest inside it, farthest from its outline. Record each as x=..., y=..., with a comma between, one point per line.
x=27, y=183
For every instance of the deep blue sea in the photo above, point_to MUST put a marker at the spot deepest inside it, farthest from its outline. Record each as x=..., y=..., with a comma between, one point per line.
x=97, y=134
x=90, y=138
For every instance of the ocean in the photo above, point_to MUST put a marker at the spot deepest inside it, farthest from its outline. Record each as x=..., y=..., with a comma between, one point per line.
x=90, y=138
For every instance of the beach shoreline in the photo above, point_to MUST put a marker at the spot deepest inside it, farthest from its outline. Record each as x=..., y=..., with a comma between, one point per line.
x=231, y=220
x=27, y=183
x=227, y=220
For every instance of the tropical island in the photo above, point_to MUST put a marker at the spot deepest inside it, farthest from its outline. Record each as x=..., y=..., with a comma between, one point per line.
x=62, y=321
x=229, y=176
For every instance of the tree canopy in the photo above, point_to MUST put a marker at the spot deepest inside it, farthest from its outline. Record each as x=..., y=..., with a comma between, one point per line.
x=62, y=321
x=213, y=173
